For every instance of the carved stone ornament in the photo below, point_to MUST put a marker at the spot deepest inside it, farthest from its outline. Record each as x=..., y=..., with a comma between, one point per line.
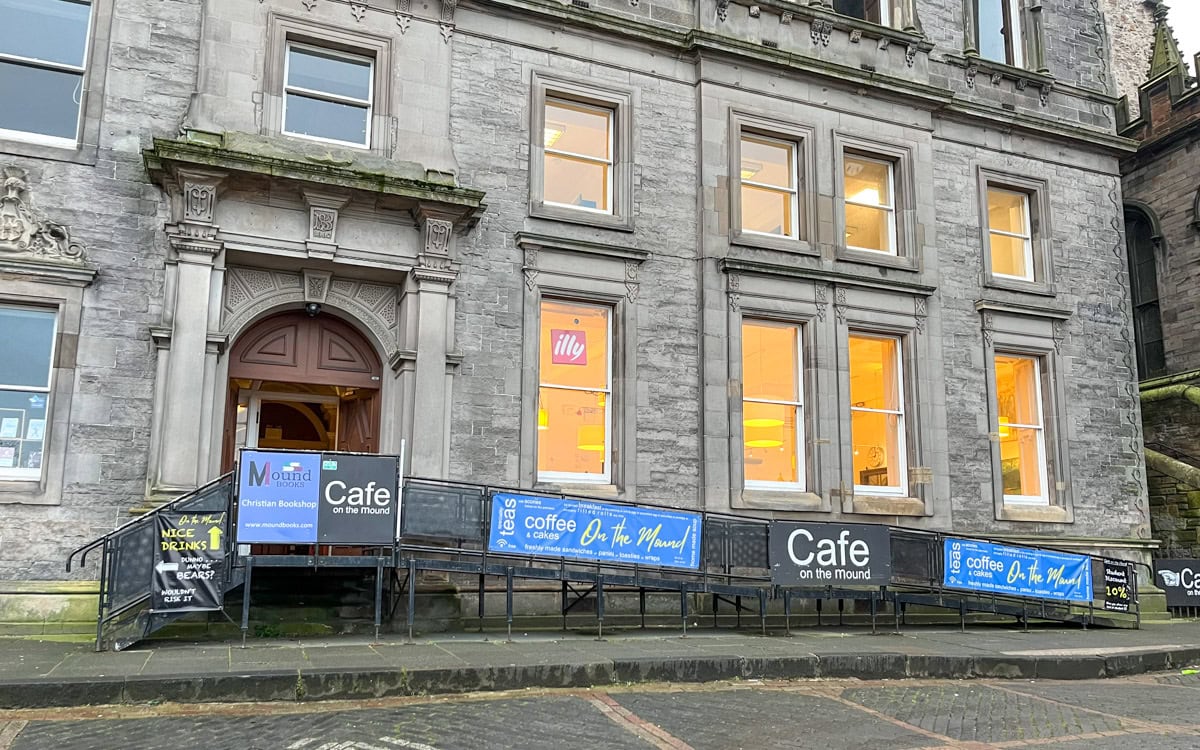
x=786, y=17
x=972, y=70
x=199, y=200
x=910, y=55
x=530, y=268
x=722, y=9
x=819, y=30
x=358, y=10
x=403, y=14
x=437, y=236
x=855, y=36
x=1044, y=96
x=309, y=4
x=24, y=231
x=997, y=78
x=1022, y=84
x=755, y=11
x=446, y=22
x=322, y=224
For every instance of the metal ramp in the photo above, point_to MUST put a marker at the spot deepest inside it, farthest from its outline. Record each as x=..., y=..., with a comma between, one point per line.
x=445, y=525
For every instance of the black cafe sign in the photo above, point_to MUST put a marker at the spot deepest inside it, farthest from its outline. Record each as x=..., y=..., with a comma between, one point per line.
x=830, y=554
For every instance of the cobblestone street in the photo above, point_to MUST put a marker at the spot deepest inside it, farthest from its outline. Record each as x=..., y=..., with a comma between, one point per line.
x=1152, y=711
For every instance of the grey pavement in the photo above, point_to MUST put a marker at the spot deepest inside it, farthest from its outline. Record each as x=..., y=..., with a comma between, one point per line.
x=46, y=673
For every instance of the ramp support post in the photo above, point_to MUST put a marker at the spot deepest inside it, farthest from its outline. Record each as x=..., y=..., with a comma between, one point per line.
x=600, y=607
x=787, y=613
x=508, y=600
x=683, y=608
x=412, y=595
x=762, y=609
x=378, y=596
x=246, y=599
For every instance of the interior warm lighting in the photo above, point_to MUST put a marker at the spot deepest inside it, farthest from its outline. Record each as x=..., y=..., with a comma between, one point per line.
x=866, y=195
x=1004, y=431
x=543, y=419
x=759, y=415
x=591, y=438
x=749, y=169
x=553, y=132
x=763, y=437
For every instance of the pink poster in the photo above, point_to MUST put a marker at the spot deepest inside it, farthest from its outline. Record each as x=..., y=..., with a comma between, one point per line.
x=567, y=347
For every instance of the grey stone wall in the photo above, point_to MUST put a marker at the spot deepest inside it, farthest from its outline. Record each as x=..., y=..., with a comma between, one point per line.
x=114, y=211
x=1130, y=25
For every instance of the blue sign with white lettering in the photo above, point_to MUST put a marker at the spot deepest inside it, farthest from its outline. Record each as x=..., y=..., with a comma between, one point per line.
x=589, y=530
x=278, y=496
x=1019, y=571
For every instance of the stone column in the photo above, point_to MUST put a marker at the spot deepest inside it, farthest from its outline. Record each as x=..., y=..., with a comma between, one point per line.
x=431, y=281
x=970, y=30
x=183, y=426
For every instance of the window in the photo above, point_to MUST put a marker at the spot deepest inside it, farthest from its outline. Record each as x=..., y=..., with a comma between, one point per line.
x=327, y=95
x=875, y=11
x=772, y=406
x=1010, y=234
x=580, y=155
x=999, y=33
x=1020, y=429
x=26, y=363
x=768, y=175
x=574, y=425
x=578, y=143
x=1143, y=283
x=877, y=415
x=43, y=49
x=869, y=190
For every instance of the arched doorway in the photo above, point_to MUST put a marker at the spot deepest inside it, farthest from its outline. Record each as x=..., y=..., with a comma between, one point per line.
x=304, y=383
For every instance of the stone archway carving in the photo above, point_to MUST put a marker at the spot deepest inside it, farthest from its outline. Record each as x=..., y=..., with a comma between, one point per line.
x=251, y=292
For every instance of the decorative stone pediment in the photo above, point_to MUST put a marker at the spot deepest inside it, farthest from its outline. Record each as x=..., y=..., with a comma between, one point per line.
x=25, y=232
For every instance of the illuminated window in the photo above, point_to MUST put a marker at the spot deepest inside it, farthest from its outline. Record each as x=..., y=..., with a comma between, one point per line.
x=999, y=31
x=1010, y=235
x=26, y=363
x=43, y=53
x=877, y=415
x=1020, y=429
x=870, y=203
x=574, y=440
x=578, y=143
x=772, y=405
x=768, y=179
x=327, y=95
x=875, y=11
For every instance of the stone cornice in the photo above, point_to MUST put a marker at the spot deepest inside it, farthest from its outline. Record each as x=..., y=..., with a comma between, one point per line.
x=735, y=265
x=47, y=271
x=937, y=99
x=529, y=240
x=168, y=155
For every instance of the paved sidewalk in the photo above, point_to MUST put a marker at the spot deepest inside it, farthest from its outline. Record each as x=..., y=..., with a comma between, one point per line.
x=43, y=673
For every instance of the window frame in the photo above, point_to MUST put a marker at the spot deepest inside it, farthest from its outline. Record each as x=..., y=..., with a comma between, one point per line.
x=889, y=208
x=885, y=14
x=611, y=116
x=83, y=148
x=1043, y=475
x=324, y=96
x=1041, y=254
x=284, y=31
x=1012, y=330
x=1026, y=236
x=802, y=139
x=1014, y=44
x=906, y=253
x=6, y=473
x=902, y=422
x=620, y=103
x=564, y=477
x=1150, y=362
x=798, y=408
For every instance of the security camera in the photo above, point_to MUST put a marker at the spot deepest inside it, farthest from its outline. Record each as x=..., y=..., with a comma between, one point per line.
x=313, y=309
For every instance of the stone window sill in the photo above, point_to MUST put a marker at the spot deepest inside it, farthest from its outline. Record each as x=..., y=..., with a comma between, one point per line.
x=1035, y=513
x=781, y=500
x=878, y=505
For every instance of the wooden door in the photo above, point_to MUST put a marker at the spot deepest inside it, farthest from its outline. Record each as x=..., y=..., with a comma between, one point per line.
x=358, y=418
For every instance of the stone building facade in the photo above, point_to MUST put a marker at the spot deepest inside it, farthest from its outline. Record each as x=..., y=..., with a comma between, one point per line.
x=1162, y=223
x=821, y=260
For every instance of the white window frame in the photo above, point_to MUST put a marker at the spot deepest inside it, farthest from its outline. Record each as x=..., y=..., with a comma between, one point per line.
x=893, y=249
x=901, y=426
x=1015, y=40
x=1044, y=498
x=793, y=189
x=17, y=474
x=798, y=409
x=288, y=88
x=885, y=14
x=611, y=115
x=570, y=477
x=1026, y=237
x=33, y=62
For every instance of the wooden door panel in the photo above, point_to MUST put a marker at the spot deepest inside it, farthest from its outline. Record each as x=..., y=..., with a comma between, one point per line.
x=359, y=429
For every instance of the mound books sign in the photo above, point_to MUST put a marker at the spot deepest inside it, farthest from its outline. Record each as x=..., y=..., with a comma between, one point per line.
x=311, y=498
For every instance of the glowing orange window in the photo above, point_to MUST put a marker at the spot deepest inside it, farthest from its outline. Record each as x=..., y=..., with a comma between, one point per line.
x=771, y=405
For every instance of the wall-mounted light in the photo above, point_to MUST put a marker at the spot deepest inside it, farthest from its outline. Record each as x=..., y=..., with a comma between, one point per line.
x=1004, y=431
x=590, y=438
x=543, y=418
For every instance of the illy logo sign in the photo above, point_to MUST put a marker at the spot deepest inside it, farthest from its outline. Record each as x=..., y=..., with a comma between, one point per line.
x=568, y=347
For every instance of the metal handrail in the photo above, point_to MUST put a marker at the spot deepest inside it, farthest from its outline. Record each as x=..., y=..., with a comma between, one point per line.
x=85, y=549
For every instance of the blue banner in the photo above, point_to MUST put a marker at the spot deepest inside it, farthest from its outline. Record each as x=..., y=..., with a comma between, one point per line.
x=278, y=495
x=588, y=530
x=1041, y=574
